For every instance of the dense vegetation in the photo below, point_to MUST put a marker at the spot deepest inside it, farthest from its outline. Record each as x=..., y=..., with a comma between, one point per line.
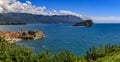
x=15, y=53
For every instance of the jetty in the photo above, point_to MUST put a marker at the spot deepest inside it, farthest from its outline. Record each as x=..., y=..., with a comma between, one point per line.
x=13, y=37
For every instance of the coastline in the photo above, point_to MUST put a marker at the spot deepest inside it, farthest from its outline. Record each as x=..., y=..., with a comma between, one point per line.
x=14, y=41
x=13, y=37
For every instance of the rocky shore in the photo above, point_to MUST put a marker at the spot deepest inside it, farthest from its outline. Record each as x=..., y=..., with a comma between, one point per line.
x=13, y=37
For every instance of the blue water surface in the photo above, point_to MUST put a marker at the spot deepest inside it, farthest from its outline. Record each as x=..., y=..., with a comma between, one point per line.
x=63, y=36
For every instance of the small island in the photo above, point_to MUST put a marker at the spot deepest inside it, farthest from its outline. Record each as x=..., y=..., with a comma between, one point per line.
x=13, y=37
x=87, y=23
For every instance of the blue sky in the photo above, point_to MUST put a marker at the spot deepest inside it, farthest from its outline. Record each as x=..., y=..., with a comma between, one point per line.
x=100, y=11
x=85, y=7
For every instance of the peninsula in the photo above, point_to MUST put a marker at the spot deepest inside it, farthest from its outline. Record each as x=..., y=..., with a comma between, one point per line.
x=13, y=37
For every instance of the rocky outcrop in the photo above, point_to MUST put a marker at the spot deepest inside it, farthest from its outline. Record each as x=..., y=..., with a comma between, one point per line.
x=13, y=37
x=87, y=23
x=30, y=35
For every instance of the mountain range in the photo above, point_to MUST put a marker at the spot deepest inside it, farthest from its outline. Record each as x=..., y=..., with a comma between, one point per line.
x=43, y=19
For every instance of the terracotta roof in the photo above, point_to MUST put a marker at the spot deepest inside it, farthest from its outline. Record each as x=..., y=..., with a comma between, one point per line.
x=1, y=33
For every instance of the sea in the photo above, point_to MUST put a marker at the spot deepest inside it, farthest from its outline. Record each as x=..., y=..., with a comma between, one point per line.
x=59, y=37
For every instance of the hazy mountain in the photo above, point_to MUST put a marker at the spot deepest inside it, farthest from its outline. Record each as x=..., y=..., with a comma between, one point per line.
x=32, y=18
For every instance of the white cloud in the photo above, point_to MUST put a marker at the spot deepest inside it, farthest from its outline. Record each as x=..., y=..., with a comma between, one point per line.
x=16, y=6
x=63, y=12
x=27, y=7
x=1, y=9
x=28, y=2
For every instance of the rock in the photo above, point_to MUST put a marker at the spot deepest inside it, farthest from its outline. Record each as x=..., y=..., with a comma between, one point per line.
x=87, y=23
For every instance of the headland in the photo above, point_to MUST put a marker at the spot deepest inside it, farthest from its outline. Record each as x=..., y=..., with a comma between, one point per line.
x=13, y=37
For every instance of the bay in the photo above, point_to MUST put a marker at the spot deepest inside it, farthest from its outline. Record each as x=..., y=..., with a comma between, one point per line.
x=63, y=36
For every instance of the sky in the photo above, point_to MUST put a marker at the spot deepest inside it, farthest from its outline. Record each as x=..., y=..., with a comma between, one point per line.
x=100, y=11
x=87, y=7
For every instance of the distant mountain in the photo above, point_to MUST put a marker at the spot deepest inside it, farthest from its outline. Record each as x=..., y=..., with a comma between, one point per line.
x=31, y=18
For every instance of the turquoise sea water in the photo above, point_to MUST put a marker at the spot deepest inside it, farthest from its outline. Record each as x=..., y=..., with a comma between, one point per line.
x=63, y=36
